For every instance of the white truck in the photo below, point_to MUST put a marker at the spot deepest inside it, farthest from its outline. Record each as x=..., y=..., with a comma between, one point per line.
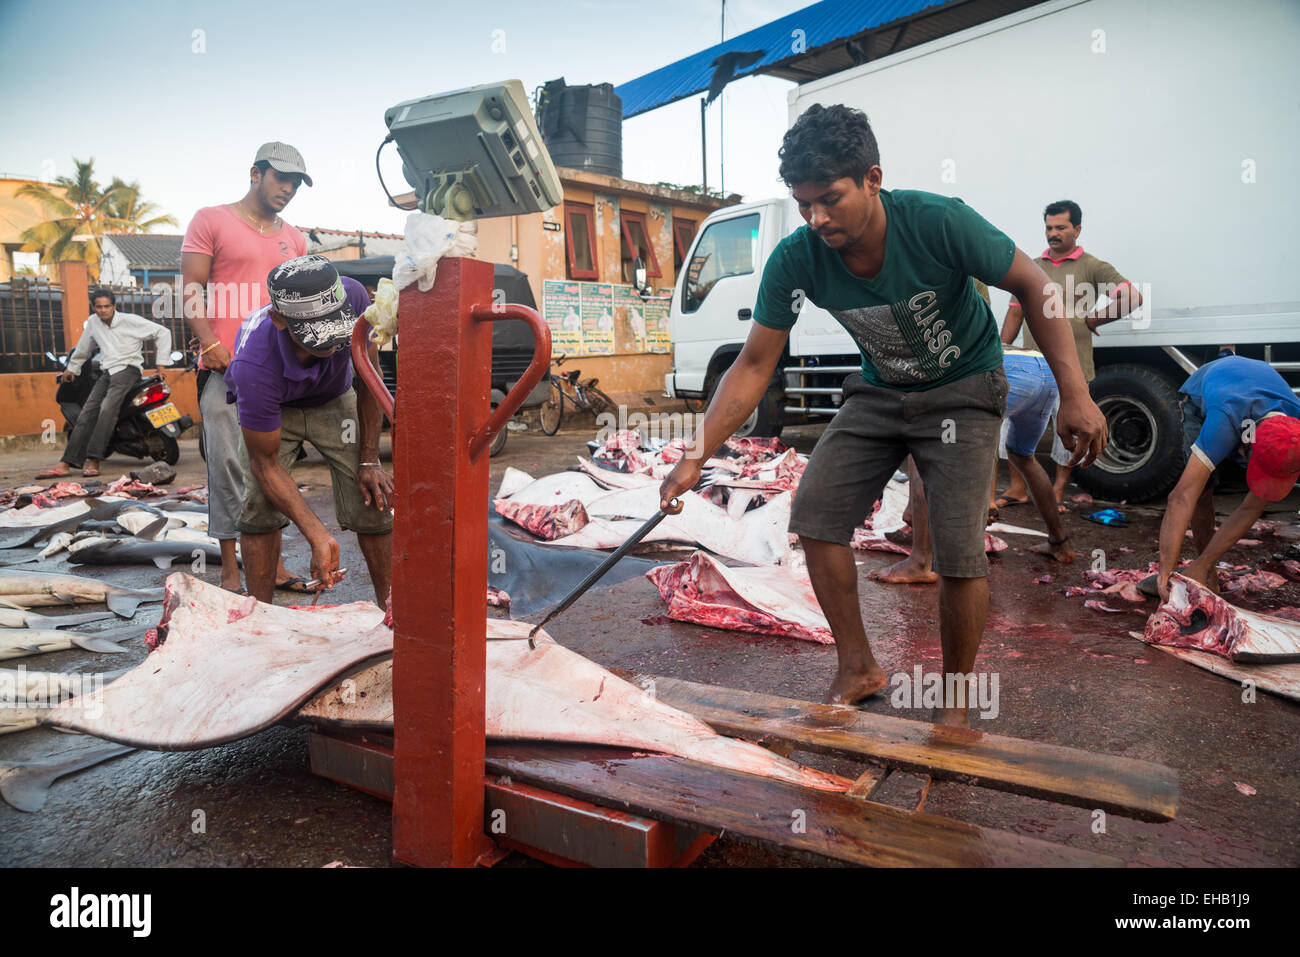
x=1174, y=125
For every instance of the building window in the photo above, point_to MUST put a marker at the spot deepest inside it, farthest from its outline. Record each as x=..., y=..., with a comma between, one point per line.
x=635, y=243
x=26, y=264
x=580, y=238
x=683, y=233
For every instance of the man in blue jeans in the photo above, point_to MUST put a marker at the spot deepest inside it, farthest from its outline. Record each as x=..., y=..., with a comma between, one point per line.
x=1031, y=401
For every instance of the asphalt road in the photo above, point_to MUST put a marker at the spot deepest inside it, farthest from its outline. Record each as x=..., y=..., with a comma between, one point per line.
x=1068, y=676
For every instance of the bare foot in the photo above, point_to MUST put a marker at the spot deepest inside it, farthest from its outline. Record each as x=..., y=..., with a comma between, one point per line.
x=231, y=582
x=1060, y=553
x=851, y=687
x=905, y=572
x=58, y=471
x=1008, y=499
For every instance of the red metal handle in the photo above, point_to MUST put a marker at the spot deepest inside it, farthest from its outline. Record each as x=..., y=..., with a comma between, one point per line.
x=369, y=374
x=535, y=372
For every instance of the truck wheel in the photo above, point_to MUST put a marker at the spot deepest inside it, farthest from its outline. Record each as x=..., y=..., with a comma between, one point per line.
x=499, y=440
x=1144, y=456
x=764, y=421
x=163, y=448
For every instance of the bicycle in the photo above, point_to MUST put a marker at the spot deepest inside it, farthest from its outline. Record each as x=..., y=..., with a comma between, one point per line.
x=583, y=395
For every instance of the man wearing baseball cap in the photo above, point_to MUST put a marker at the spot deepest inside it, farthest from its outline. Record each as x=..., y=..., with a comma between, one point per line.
x=291, y=382
x=225, y=257
x=1231, y=405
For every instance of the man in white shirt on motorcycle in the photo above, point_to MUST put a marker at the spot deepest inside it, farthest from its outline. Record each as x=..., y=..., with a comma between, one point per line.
x=120, y=337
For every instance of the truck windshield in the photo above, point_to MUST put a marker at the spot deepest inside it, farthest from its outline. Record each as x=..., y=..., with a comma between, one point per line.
x=725, y=249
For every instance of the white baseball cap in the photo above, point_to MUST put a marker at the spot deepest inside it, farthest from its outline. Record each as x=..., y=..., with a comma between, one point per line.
x=284, y=158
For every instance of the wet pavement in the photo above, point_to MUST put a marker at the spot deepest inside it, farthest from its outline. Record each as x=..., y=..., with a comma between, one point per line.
x=1067, y=676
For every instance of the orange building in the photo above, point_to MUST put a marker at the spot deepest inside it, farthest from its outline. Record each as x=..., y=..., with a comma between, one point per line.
x=17, y=214
x=579, y=260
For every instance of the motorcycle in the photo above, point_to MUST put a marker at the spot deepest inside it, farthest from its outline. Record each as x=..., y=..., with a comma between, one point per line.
x=149, y=425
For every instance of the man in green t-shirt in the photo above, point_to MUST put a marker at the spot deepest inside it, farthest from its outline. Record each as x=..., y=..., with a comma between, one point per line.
x=896, y=269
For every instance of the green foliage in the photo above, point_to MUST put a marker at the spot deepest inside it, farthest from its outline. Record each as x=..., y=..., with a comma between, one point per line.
x=697, y=190
x=78, y=206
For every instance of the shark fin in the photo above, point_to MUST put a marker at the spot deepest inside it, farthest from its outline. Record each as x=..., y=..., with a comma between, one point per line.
x=122, y=605
x=91, y=643
x=150, y=532
x=26, y=785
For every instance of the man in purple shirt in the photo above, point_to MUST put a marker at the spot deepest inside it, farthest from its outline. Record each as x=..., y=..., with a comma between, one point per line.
x=291, y=381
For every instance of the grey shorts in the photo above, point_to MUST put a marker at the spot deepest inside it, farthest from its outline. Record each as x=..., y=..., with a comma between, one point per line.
x=334, y=430
x=221, y=440
x=950, y=431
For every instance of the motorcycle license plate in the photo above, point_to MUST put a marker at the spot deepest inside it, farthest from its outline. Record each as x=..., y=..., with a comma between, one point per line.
x=162, y=415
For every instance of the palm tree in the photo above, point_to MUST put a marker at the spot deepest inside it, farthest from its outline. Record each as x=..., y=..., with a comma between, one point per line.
x=126, y=205
x=82, y=212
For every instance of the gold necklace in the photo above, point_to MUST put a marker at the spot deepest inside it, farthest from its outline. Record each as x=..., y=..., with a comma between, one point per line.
x=261, y=229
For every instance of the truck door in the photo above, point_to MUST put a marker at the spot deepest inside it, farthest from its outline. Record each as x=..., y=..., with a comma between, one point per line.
x=715, y=298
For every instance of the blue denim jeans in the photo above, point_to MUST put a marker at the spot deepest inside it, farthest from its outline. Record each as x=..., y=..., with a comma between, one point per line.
x=1031, y=400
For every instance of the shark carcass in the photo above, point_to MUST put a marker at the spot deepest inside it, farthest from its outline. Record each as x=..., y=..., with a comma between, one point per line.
x=226, y=666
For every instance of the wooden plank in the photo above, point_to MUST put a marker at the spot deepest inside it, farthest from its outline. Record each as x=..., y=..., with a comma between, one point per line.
x=818, y=822
x=866, y=783
x=1124, y=786
x=903, y=790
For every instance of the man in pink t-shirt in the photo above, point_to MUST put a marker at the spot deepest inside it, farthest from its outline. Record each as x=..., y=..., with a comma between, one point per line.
x=227, y=254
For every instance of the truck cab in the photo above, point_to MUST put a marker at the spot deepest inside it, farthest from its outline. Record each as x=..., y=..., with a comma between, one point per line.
x=712, y=309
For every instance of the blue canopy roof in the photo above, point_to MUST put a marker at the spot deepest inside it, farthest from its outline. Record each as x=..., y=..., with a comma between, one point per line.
x=822, y=24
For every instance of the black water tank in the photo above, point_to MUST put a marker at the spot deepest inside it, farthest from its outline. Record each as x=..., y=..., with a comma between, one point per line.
x=582, y=126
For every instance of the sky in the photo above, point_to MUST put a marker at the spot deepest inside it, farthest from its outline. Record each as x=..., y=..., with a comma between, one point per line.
x=178, y=95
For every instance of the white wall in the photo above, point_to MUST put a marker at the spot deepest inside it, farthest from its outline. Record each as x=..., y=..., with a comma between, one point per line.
x=114, y=270
x=1148, y=137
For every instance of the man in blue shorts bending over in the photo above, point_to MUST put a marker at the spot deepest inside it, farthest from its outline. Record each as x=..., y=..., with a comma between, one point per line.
x=896, y=268
x=1230, y=406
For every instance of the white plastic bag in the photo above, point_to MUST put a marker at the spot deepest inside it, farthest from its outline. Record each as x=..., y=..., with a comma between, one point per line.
x=428, y=239
x=382, y=313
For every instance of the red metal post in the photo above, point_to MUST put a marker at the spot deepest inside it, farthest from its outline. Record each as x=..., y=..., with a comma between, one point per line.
x=439, y=641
